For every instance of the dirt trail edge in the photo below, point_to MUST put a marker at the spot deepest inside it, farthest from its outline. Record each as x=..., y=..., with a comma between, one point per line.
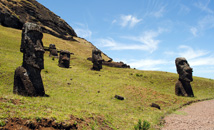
x=198, y=116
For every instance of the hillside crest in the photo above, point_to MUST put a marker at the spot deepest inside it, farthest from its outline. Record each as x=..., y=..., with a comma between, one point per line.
x=14, y=13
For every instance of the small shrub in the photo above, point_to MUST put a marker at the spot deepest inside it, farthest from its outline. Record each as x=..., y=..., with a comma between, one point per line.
x=139, y=126
x=139, y=75
x=2, y=123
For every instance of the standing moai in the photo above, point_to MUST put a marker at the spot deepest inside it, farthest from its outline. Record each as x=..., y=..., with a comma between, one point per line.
x=96, y=59
x=52, y=50
x=183, y=87
x=64, y=59
x=27, y=78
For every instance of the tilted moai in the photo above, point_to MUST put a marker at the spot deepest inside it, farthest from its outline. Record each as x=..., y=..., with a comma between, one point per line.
x=64, y=59
x=27, y=78
x=52, y=50
x=96, y=59
x=183, y=87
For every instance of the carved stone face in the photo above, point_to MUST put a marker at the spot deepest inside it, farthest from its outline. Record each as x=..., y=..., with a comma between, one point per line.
x=32, y=46
x=183, y=69
x=97, y=59
x=96, y=55
x=64, y=59
x=52, y=49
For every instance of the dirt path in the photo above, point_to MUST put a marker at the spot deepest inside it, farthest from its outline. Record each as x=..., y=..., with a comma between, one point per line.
x=197, y=116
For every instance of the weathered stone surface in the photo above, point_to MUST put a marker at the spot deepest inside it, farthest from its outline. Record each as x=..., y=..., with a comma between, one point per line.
x=14, y=13
x=52, y=50
x=116, y=64
x=96, y=59
x=27, y=78
x=183, y=87
x=111, y=63
x=64, y=59
x=155, y=106
x=119, y=97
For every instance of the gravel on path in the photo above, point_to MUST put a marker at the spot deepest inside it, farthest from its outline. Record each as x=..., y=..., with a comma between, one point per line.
x=197, y=116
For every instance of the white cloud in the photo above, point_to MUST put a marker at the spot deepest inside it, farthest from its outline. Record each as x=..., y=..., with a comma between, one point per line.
x=194, y=31
x=204, y=6
x=146, y=42
x=207, y=22
x=84, y=33
x=159, y=13
x=148, y=39
x=202, y=61
x=184, y=9
x=127, y=20
x=190, y=53
x=147, y=64
x=82, y=30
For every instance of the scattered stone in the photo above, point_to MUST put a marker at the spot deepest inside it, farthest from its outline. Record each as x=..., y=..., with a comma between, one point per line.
x=119, y=97
x=155, y=105
x=96, y=59
x=183, y=87
x=27, y=78
x=64, y=59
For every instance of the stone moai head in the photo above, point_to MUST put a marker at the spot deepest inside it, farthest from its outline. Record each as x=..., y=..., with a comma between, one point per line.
x=32, y=46
x=52, y=50
x=64, y=59
x=97, y=59
x=183, y=69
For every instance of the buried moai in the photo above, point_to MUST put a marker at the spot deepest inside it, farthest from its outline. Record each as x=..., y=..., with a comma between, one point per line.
x=27, y=78
x=96, y=59
x=64, y=59
x=52, y=50
x=183, y=87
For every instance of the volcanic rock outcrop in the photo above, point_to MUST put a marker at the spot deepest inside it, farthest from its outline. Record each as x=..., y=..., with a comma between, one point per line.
x=14, y=13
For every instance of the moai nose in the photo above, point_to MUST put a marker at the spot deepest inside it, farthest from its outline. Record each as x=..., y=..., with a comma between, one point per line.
x=188, y=69
x=39, y=46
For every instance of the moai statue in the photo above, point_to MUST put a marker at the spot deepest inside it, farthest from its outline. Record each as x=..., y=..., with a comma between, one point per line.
x=183, y=87
x=52, y=50
x=96, y=59
x=64, y=59
x=27, y=78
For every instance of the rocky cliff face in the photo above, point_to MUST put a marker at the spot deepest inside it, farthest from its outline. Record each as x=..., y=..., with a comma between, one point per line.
x=14, y=13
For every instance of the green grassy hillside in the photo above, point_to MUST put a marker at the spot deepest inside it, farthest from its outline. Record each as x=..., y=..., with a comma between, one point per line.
x=84, y=93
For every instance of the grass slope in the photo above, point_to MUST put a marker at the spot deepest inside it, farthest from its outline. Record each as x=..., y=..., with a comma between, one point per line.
x=84, y=93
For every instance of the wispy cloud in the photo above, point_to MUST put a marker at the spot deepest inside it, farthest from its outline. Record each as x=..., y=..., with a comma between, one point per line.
x=206, y=23
x=202, y=61
x=147, y=42
x=127, y=21
x=184, y=9
x=190, y=53
x=204, y=6
x=82, y=30
x=147, y=64
x=196, y=57
x=158, y=13
x=194, y=31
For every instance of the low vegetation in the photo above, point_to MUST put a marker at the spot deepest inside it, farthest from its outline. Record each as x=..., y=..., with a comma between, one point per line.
x=86, y=94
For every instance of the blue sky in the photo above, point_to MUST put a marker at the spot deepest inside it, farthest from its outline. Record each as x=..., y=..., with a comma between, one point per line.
x=146, y=34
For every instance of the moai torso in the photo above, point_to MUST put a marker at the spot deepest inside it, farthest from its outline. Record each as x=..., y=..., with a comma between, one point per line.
x=183, y=86
x=27, y=78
